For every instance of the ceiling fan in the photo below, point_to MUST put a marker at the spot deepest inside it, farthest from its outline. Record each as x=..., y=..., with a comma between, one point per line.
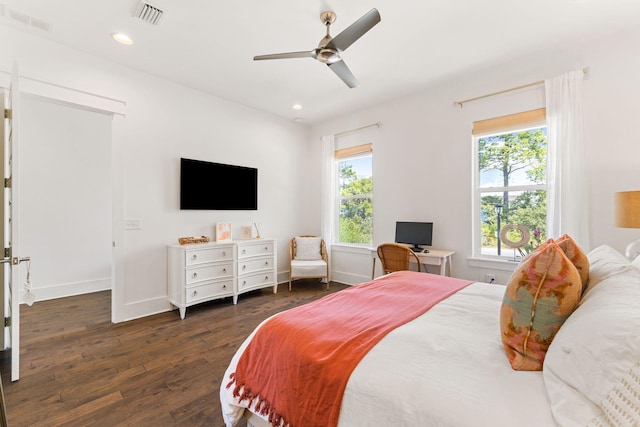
x=329, y=48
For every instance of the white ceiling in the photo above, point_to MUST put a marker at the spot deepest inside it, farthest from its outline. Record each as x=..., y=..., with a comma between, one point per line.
x=209, y=45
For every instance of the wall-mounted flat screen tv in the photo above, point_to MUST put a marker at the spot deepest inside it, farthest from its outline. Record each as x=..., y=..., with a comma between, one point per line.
x=216, y=186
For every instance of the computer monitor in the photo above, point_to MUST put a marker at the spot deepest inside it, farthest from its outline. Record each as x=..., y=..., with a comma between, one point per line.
x=414, y=233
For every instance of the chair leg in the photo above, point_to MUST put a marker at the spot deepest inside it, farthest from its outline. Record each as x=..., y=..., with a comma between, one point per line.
x=289, y=285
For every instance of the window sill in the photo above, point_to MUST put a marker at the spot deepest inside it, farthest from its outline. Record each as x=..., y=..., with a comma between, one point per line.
x=494, y=264
x=351, y=248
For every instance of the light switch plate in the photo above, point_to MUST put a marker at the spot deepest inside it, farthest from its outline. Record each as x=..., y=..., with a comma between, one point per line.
x=132, y=224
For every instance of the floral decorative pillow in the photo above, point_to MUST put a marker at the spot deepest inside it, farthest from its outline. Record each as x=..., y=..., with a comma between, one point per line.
x=541, y=294
x=576, y=256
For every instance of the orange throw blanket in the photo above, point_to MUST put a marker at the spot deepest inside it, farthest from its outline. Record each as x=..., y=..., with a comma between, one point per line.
x=298, y=363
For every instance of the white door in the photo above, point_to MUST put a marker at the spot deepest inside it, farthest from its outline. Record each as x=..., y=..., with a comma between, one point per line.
x=4, y=267
x=9, y=234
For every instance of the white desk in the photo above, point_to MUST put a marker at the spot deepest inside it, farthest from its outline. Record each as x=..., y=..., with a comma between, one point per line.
x=433, y=257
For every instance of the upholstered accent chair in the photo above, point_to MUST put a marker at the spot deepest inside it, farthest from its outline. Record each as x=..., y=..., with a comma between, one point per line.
x=308, y=258
x=395, y=257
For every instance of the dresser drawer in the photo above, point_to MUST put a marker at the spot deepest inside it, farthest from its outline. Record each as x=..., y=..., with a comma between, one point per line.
x=253, y=265
x=255, y=280
x=245, y=251
x=208, y=272
x=209, y=290
x=199, y=256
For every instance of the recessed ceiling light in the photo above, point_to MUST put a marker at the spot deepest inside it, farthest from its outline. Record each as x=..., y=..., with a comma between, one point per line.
x=122, y=38
x=297, y=107
x=298, y=119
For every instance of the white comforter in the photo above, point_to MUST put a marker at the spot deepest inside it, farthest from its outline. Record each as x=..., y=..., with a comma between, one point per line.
x=445, y=368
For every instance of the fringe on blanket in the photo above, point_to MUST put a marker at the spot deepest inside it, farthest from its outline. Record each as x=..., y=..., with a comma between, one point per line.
x=260, y=405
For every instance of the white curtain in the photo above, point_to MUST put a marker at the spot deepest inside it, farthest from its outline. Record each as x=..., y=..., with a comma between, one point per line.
x=567, y=202
x=327, y=204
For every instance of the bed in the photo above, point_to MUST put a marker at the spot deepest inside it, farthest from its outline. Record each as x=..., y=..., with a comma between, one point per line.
x=447, y=366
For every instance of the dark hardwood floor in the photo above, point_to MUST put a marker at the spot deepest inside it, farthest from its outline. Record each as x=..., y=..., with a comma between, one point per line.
x=79, y=369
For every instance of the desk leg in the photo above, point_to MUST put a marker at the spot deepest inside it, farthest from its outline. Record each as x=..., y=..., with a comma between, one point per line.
x=449, y=262
x=443, y=267
x=373, y=268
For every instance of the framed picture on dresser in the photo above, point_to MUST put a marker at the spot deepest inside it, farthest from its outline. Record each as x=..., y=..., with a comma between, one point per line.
x=223, y=231
x=246, y=232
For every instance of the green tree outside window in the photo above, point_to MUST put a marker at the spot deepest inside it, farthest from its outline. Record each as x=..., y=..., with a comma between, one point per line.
x=355, y=202
x=512, y=172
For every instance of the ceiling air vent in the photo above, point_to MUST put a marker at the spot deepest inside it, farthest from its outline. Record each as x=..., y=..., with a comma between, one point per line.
x=149, y=13
x=22, y=19
x=42, y=25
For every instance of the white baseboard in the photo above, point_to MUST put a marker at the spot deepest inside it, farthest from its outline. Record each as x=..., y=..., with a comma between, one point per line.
x=139, y=309
x=348, y=278
x=282, y=277
x=70, y=289
x=336, y=276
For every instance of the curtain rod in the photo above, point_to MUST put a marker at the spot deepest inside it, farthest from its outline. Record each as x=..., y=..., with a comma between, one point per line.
x=461, y=103
x=376, y=124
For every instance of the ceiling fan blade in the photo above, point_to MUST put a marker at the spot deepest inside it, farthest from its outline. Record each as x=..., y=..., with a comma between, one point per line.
x=342, y=71
x=287, y=55
x=355, y=31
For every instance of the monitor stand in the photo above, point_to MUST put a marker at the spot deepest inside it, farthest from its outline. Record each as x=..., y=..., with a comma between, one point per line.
x=418, y=249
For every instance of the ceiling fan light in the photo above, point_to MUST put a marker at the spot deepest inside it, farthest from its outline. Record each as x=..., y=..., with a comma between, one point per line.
x=328, y=56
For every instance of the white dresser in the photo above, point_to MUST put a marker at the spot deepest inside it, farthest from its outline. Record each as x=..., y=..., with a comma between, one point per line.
x=256, y=265
x=203, y=272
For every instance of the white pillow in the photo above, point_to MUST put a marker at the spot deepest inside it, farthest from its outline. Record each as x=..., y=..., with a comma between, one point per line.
x=308, y=248
x=592, y=368
x=604, y=262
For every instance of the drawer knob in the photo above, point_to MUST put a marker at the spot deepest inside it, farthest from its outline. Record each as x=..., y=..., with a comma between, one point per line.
x=266, y=263
x=244, y=282
x=224, y=286
x=266, y=248
x=194, y=275
x=244, y=266
x=224, y=270
x=266, y=278
x=194, y=257
x=195, y=293
x=224, y=253
x=244, y=251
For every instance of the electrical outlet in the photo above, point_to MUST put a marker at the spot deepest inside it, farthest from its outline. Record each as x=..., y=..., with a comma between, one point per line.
x=491, y=278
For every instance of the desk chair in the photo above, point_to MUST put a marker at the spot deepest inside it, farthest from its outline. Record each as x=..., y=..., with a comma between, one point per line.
x=395, y=257
x=308, y=258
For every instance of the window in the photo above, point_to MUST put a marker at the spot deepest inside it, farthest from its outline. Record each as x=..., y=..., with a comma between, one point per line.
x=355, y=195
x=510, y=184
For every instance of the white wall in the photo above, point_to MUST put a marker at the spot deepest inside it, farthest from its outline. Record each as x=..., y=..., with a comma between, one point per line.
x=165, y=121
x=422, y=159
x=65, y=198
x=422, y=162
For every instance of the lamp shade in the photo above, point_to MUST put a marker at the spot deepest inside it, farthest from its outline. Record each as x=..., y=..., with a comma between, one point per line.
x=627, y=209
